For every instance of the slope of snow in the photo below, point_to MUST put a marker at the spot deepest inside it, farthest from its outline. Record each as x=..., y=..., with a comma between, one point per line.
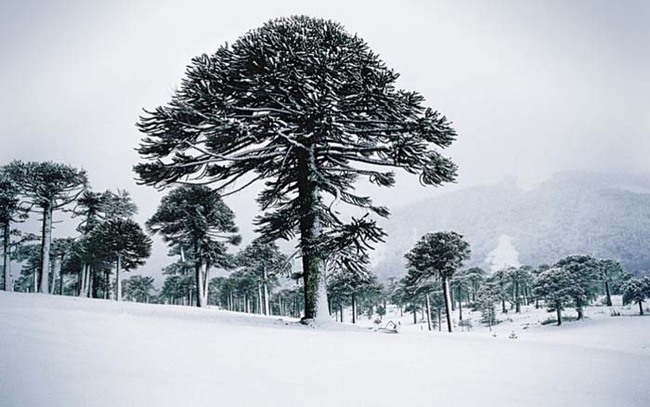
x=80, y=352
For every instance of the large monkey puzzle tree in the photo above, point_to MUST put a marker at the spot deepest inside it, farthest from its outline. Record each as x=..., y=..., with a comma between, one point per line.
x=307, y=107
x=49, y=186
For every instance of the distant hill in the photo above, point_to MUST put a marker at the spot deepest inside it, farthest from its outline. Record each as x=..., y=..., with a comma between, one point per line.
x=606, y=216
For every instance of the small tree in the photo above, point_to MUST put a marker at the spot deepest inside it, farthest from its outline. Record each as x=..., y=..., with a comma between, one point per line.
x=636, y=291
x=556, y=286
x=124, y=242
x=609, y=270
x=138, y=288
x=50, y=187
x=584, y=272
x=194, y=219
x=265, y=261
x=438, y=255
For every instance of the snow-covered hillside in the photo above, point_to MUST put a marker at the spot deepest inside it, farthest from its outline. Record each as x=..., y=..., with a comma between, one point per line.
x=60, y=351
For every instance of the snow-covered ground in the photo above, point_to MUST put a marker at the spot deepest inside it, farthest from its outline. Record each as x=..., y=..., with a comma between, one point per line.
x=79, y=352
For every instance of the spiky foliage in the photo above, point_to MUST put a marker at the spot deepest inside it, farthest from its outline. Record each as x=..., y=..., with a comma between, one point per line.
x=309, y=109
x=49, y=186
x=96, y=207
x=138, y=288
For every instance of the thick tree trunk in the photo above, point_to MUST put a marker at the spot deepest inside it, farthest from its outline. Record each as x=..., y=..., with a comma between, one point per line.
x=315, y=290
x=559, y=316
x=445, y=291
x=608, y=294
x=341, y=311
x=6, y=261
x=415, y=315
x=517, y=304
x=503, y=306
x=55, y=275
x=428, y=302
x=640, y=307
x=46, y=240
x=118, y=264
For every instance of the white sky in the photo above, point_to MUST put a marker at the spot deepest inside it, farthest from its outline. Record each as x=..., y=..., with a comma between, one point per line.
x=533, y=87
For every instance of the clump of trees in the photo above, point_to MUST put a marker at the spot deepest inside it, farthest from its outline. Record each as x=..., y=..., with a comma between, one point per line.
x=110, y=240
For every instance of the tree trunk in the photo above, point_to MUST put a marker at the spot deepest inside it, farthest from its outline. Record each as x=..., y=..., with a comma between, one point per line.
x=315, y=290
x=55, y=275
x=205, y=271
x=503, y=305
x=267, y=302
x=118, y=289
x=354, y=308
x=341, y=310
x=46, y=240
x=445, y=290
x=640, y=307
x=428, y=302
x=559, y=316
x=517, y=304
x=439, y=320
x=415, y=315
x=460, y=305
x=6, y=261
x=608, y=294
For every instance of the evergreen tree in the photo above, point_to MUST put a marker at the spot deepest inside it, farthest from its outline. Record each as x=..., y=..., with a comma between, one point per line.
x=584, y=272
x=557, y=287
x=264, y=260
x=194, y=218
x=10, y=212
x=438, y=255
x=50, y=187
x=124, y=243
x=138, y=288
x=476, y=277
x=308, y=108
x=609, y=270
x=636, y=291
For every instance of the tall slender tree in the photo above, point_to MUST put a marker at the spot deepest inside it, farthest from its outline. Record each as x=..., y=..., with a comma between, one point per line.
x=307, y=107
x=438, y=255
x=49, y=186
x=10, y=211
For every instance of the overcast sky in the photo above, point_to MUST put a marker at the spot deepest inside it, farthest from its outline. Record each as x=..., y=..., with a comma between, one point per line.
x=533, y=87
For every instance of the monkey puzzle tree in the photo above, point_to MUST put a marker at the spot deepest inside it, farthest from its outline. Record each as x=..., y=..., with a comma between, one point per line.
x=307, y=107
x=438, y=255
x=585, y=273
x=10, y=212
x=609, y=270
x=48, y=186
x=636, y=290
x=194, y=218
x=556, y=286
x=264, y=260
x=124, y=243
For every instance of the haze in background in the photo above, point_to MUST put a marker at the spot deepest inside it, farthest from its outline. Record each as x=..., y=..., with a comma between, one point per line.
x=533, y=87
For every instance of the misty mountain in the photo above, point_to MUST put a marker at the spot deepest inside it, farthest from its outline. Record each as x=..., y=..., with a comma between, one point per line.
x=606, y=216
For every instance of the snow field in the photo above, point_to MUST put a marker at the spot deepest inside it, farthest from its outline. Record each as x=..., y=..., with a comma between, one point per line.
x=61, y=351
